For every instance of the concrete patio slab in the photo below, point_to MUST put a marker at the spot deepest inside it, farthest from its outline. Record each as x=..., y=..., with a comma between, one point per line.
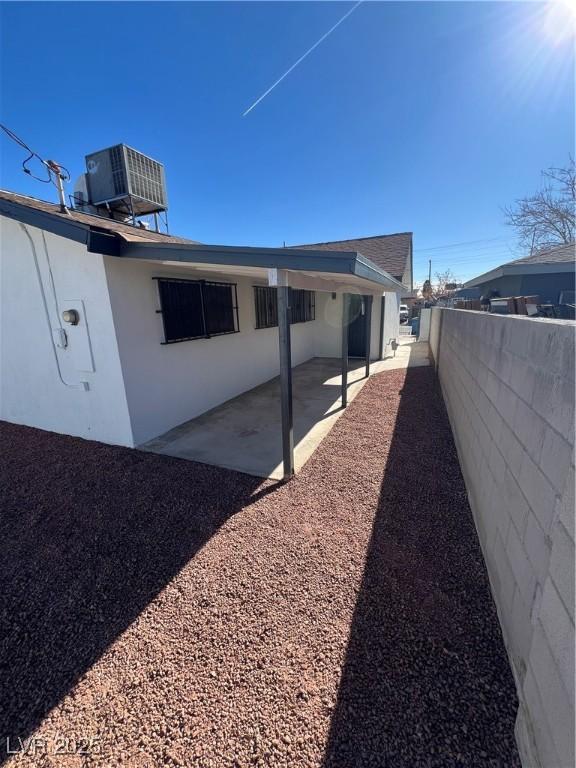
x=244, y=433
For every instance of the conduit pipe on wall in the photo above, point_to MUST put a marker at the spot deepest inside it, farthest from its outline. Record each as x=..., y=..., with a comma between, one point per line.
x=83, y=385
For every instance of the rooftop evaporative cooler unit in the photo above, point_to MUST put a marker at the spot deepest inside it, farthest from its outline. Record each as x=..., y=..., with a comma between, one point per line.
x=121, y=179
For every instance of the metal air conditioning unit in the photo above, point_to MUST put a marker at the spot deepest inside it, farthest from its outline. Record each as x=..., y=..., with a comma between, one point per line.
x=125, y=181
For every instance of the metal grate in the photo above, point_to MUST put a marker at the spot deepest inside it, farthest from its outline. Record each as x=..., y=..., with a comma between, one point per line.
x=266, y=303
x=197, y=309
x=118, y=175
x=302, y=306
x=146, y=178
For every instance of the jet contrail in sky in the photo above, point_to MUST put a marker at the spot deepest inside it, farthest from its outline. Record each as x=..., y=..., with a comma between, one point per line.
x=316, y=44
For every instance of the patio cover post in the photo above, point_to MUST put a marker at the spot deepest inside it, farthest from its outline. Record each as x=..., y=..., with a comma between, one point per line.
x=285, y=374
x=368, y=321
x=381, y=342
x=345, y=324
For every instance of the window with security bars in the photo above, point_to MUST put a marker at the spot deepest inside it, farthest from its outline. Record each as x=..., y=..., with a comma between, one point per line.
x=302, y=304
x=197, y=309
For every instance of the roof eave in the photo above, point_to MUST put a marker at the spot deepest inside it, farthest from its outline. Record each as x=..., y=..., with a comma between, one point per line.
x=369, y=271
x=540, y=268
x=335, y=262
x=112, y=244
x=96, y=240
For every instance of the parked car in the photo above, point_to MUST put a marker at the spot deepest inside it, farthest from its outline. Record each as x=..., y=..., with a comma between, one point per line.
x=404, y=313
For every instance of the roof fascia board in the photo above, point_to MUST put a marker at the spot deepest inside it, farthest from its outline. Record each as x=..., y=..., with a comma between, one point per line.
x=110, y=244
x=521, y=269
x=103, y=242
x=338, y=262
x=540, y=268
x=364, y=268
x=97, y=241
x=268, y=258
x=70, y=229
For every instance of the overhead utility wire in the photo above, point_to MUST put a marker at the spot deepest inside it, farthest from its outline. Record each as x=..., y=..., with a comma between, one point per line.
x=481, y=256
x=49, y=165
x=476, y=252
x=466, y=242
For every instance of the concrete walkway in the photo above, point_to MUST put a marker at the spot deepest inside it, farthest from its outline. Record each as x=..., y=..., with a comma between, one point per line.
x=410, y=354
x=245, y=433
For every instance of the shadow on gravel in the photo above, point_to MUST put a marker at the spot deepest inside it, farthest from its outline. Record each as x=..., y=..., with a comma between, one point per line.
x=426, y=680
x=90, y=534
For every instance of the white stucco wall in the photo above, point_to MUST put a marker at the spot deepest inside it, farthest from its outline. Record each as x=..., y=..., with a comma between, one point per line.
x=169, y=384
x=31, y=391
x=328, y=327
x=508, y=384
x=138, y=387
x=391, y=321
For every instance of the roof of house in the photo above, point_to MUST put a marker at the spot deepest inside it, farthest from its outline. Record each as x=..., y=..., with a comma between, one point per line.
x=126, y=231
x=109, y=237
x=558, y=258
x=550, y=255
x=391, y=252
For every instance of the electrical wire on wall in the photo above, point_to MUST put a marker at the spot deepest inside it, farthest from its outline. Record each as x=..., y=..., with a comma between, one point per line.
x=52, y=284
x=82, y=385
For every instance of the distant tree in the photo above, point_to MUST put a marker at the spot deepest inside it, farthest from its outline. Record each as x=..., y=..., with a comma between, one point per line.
x=426, y=289
x=546, y=218
x=445, y=282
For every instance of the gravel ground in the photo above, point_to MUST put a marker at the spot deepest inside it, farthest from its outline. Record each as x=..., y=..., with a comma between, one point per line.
x=182, y=615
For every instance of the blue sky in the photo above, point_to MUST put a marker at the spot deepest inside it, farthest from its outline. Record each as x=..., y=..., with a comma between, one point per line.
x=422, y=116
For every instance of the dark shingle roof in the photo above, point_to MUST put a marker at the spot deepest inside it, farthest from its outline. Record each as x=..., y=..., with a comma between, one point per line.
x=551, y=255
x=390, y=252
x=126, y=231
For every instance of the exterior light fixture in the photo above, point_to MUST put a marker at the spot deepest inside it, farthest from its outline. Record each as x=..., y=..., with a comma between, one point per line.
x=71, y=316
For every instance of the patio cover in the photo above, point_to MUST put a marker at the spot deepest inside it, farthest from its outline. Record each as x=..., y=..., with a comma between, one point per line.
x=342, y=272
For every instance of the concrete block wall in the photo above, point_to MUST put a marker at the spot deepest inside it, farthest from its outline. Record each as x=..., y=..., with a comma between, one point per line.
x=508, y=384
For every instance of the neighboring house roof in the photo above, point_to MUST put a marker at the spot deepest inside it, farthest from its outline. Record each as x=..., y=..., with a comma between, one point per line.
x=391, y=252
x=560, y=258
x=551, y=255
x=113, y=238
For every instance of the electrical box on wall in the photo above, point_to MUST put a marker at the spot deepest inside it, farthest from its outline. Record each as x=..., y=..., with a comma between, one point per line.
x=78, y=337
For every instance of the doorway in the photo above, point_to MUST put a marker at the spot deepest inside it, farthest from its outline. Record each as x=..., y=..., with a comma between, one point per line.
x=357, y=326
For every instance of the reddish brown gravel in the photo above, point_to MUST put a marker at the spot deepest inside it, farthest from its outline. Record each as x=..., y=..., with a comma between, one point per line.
x=182, y=615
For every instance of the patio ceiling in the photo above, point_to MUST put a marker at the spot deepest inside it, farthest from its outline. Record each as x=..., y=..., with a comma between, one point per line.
x=336, y=271
x=306, y=279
